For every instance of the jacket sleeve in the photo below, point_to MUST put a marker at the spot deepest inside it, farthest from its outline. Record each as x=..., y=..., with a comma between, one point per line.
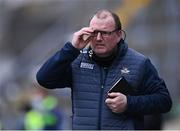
x=154, y=96
x=56, y=71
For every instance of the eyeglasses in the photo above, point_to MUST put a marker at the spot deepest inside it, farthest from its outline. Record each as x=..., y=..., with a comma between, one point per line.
x=103, y=33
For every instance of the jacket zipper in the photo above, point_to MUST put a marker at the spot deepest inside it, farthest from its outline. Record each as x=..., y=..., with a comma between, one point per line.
x=102, y=80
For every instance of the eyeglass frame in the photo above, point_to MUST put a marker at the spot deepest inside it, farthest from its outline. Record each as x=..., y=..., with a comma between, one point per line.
x=103, y=33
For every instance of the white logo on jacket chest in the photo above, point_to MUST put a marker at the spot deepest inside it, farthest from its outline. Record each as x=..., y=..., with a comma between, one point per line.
x=87, y=65
x=125, y=70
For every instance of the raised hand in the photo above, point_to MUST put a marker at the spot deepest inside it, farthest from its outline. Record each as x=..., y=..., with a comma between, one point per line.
x=79, y=41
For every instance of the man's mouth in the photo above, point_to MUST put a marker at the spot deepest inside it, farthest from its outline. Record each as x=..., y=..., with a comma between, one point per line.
x=100, y=45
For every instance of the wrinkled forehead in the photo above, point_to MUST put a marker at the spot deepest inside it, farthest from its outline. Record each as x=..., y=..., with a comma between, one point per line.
x=103, y=21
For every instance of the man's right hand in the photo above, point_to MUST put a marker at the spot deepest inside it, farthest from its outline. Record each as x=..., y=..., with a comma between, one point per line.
x=78, y=41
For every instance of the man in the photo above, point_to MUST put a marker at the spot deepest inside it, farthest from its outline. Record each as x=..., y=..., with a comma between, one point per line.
x=91, y=73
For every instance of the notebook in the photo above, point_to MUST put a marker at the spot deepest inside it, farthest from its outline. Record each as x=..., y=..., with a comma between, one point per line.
x=123, y=87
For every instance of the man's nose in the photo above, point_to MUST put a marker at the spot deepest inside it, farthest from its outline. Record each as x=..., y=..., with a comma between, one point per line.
x=99, y=37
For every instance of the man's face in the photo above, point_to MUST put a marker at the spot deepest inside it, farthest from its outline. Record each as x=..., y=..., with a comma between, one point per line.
x=104, y=43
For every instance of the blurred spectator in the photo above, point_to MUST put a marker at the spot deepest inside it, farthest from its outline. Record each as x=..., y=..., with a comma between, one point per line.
x=43, y=113
x=52, y=115
x=34, y=120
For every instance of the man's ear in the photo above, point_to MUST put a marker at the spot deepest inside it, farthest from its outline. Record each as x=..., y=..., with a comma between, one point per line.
x=119, y=33
x=122, y=34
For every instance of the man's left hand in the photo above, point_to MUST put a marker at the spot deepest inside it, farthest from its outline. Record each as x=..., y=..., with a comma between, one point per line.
x=117, y=102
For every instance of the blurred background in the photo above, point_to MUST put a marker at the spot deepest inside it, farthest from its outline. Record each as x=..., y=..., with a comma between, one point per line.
x=32, y=30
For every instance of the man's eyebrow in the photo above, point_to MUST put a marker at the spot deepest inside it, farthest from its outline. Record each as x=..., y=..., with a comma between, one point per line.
x=100, y=31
